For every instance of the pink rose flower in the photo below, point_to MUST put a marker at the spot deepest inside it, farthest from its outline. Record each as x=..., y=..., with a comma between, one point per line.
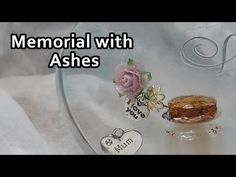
x=129, y=79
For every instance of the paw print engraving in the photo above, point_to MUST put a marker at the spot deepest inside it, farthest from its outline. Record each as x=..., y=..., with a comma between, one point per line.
x=108, y=142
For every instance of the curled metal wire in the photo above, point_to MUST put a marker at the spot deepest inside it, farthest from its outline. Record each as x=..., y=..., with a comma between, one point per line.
x=189, y=61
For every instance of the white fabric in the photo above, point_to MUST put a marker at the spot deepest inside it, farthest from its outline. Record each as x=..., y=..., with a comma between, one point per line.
x=41, y=121
x=28, y=62
x=37, y=95
x=17, y=133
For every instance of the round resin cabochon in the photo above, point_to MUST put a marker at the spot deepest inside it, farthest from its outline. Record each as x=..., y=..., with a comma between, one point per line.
x=95, y=109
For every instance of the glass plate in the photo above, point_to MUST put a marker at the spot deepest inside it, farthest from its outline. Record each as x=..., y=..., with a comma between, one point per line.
x=95, y=109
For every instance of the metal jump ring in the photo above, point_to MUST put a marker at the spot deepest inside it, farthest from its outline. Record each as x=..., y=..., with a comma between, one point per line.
x=117, y=133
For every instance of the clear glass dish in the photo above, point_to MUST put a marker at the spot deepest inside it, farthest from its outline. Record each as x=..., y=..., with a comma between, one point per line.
x=94, y=109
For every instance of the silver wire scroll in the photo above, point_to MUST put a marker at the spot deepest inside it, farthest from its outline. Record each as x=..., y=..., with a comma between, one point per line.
x=204, y=61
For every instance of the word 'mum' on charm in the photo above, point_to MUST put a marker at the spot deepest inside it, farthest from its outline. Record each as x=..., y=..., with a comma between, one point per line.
x=120, y=147
x=122, y=142
x=135, y=109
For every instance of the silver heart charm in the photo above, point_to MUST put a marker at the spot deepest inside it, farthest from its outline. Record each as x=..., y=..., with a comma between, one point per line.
x=122, y=142
x=136, y=108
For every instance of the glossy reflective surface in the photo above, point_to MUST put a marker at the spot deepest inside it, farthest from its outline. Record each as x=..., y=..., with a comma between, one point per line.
x=96, y=109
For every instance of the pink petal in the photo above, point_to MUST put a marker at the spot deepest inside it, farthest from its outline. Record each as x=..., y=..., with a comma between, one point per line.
x=128, y=82
x=136, y=84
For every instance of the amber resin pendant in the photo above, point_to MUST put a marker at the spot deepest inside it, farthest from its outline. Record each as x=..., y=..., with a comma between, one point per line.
x=191, y=109
x=190, y=115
